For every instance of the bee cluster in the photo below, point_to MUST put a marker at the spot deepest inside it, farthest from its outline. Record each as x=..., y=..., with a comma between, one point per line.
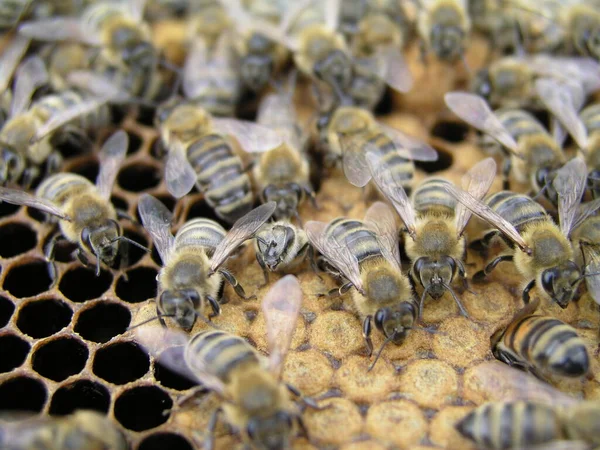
x=230, y=223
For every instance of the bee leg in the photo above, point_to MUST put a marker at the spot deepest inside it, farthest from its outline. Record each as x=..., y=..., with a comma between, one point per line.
x=310, y=254
x=123, y=215
x=49, y=253
x=311, y=194
x=237, y=287
x=306, y=401
x=209, y=443
x=481, y=245
x=124, y=258
x=181, y=401
x=526, y=291
x=338, y=292
x=214, y=304
x=506, y=166
x=367, y=328
x=53, y=163
x=81, y=256
x=263, y=266
x=482, y=274
x=29, y=175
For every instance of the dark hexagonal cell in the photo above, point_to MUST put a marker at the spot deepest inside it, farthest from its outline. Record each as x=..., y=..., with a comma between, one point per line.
x=60, y=358
x=81, y=284
x=138, y=177
x=81, y=394
x=16, y=238
x=161, y=441
x=450, y=131
x=121, y=363
x=43, y=318
x=14, y=352
x=102, y=321
x=170, y=379
x=22, y=393
x=139, y=286
x=7, y=308
x=142, y=408
x=443, y=162
x=87, y=168
x=135, y=253
x=28, y=279
x=119, y=203
x=7, y=209
x=135, y=142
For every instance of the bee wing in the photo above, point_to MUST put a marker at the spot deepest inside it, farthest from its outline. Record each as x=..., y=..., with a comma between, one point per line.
x=59, y=29
x=180, y=176
x=354, y=148
x=18, y=197
x=98, y=85
x=136, y=9
x=10, y=58
x=332, y=13
x=112, y=155
x=195, y=62
x=156, y=219
x=380, y=219
x=486, y=213
x=409, y=146
x=477, y=182
x=281, y=307
x=570, y=184
x=390, y=66
x=252, y=137
x=474, y=110
x=242, y=230
x=389, y=184
x=30, y=75
x=336, y=252
x=591, y=254
x=585, y=210
x=561, y=100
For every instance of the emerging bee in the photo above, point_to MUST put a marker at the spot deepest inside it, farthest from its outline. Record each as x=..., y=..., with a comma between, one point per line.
x=256, y=403
x=191, y=278
x=434, y=223
x=82, y=429
x=366, y=256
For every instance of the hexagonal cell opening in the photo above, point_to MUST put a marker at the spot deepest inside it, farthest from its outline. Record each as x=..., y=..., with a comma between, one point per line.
x=121, y=363
x=450, y=131
x=60, y=358
x=22, y=394
x=160, y=441
x=6, y=310
x=43, y=318
x=141, y=408
x=16, y=238
x=201, y=209
x=102, y=322
x=82, y=394
x=135, y=142
x=36, y=214
x=6, y=209
x=443, y=162
x=135, y=253
x=167, y=378
x=139, y=286
x=14, y=352
x=119, y=203
x=28, y=279
x=87, y=168
x=81, y=284
x=138, y=177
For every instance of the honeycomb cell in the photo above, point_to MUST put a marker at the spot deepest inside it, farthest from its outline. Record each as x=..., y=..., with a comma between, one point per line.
x=142, y=408
x=60, y=358
x=102, y=321
x=43, y=318
x=450, y=131
x=460, y=341
x=443, y=162
x=429, y=382
x=168, y=378
x=120, y=363
x=258, y=333
x=16, y=238
x=14, y=352
x=87, y=168
x=81, y=394
x=396, y=423
x=22, y=393
x=36, y=215
x=337, y=333
x=135, y=142
x=81, y=284
x=309, y=371
x=160, y=441
x=200, y=208
x=137, y=285
x=338, y=422
x=6, y=311
x=362, y=386
x=6, y=209
x=27, y=279
x=138, y=177
x=443, y=431
x=119, y=203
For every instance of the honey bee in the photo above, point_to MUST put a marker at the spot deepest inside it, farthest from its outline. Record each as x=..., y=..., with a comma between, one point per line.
x=82, y=429
x=192, y=277
x=84, y=211
x=435, y=223
x=207, y=20
x=198, y=153
x=63, y=58
x=256, y=403
x=490, y=17
x=366, y=256
x=9, y=60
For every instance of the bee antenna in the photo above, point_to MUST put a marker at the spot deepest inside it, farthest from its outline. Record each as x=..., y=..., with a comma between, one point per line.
x=593, y=274
x=158, y=316
x=456, y=299
x=205, y=320
x=423, y=295
x=262, y=241
x=386, y=342
x=130, y=241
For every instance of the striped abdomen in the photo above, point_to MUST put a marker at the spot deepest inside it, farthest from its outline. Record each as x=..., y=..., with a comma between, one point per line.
x=520, y=123
x=403, y=168
x=362, y=243
x=204, y=233
x=52, y=105
x=220, y=97
x=431, y=197
x=591, y=118
x=219, y=353
x=61, y=187
x=506, y=425
x=221, y=176
x=520, y=210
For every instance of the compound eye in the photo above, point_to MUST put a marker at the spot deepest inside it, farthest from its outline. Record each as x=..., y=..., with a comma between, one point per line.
x=85, y=237
x=548, y=277
x=380, y=317
x=450, y=261
x=541, y=176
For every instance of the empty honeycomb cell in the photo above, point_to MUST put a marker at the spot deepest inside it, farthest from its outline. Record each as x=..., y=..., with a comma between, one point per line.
x=43, y=318
x=28, y=279
x=121, y=363
x=429, y=382
x=7, y=209
x=22, y=393
x=309, y=371
x=155, y=256
x=337, y=333
x=6, y=311
x=361, y=386
x=169, y=379
x=102, y=321
x=88, y=168
x=135, y=253
x=60, y=358
x=443, y=432
x=37, y=215
x=398, y=423
x=499, y=304
x=338, y=421
x=135, y=142
x=200, y=208
x=460, y=341
x=16, y=238
x=119, y=203
x=14, y=352
x=161, y=441
x=450, y=131
x=138, y=177
x=81, y=284
x=142, y=408
x=443, y=162
x=137, y=285
x=81, y=394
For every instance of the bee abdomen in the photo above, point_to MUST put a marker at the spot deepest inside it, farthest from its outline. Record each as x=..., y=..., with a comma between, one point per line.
x=200, y=233
x=520, y=123
x=432, y=196
x=362, y=243
x=59, y=187
x=518, y=209
x=591, y=118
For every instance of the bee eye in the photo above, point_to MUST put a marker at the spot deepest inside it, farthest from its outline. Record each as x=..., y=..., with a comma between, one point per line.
x=419, y=264
x=85, y=237
x=380, y=316
x=548, y=277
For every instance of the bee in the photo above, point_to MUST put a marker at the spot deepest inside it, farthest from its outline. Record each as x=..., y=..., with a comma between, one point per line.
x=198, y=153
x=256, y=403
x=544, y=256
x=9, y=60
x=63, y=58
x=366, y=255
x=207, y=20
x=81, y=429
x=191, y=278
x=491, y=18
x=435, y=223
x=84, y=211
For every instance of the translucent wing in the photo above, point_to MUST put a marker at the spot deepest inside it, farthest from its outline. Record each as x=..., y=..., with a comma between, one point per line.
x=591, y=253
x=559, y=99
x=277, y=112
x=58, y=29
x=388, y=183
x=477, y=182
x=380, y=219
x=99, y=85
x=242, y=230
x=486, y=213
x=17, y=197
x=332, y=13
x=336, y=253
x=156, y=219
x=281, y=307
x=31, y=74
x=195, y=63
x=408, y=146
x=10, y=58
x=474, y=110
x=180, y=176
x=585, y=210
x=112, y=155
x=136, y=9
x=252, y=137
x=390, y=66
x=570, y=184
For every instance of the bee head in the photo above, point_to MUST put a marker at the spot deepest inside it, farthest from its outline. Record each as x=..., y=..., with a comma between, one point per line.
x=272, y=246
x=561, y=282
x=181, y=304
x=286, y=197
x=395, y=323
x=257, y=66
x=335, y=69
x=271, y=433
x=447, y=42
x=102, y=241
x=133, y=48
x=435, y=275
x=12, y=163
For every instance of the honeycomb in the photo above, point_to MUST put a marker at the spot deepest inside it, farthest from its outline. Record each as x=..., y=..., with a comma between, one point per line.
x=67, y=347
